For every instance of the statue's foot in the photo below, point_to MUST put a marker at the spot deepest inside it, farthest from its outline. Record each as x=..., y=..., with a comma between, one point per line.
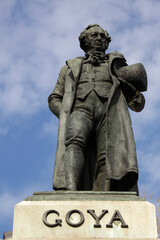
x=71, y=184
x=101, y=183
x=71, y=188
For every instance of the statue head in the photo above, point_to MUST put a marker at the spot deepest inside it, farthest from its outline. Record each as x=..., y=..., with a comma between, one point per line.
x=93, y=38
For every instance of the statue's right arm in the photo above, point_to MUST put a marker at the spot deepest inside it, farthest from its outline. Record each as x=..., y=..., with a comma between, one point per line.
x=55, y=99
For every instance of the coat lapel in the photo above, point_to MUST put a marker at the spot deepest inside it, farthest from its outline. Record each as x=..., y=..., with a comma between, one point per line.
x=75, y=65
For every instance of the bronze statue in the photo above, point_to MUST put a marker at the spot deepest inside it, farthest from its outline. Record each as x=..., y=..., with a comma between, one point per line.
x=96, y=148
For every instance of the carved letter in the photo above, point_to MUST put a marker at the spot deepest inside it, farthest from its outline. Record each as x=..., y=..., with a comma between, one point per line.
x=68, y=215
x=117, y=217
x=92, y=212
x=58, y=221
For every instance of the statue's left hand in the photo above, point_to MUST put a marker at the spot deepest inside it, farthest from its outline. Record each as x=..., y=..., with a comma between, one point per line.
x=128, y=89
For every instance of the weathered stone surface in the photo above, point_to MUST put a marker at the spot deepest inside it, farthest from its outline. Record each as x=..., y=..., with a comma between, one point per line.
x=83, y=239
x=83, y=196
x=138, y=215
x=7, y=235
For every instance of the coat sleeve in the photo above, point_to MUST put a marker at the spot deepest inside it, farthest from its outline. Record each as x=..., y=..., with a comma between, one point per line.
x=55, y=99
x=137, y=103
x=134, y=98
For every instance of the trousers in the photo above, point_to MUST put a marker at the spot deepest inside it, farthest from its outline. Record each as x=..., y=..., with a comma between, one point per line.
x=87, y=119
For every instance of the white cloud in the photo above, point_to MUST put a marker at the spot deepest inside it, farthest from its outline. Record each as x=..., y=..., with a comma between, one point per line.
x=3, y=131
x=149, y=170
x=36, y=41
x=10, y=197
x=8, y=200
x=42, y=36
x=38, y=36
x=7, y=205
x=51, y=127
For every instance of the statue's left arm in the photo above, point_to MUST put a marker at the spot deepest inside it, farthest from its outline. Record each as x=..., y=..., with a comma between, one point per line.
x=134, y=97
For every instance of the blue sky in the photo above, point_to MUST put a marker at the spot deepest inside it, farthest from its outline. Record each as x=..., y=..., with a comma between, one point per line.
x=36, y=37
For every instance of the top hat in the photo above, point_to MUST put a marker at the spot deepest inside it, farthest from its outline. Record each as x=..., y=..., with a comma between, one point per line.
x=134, y=74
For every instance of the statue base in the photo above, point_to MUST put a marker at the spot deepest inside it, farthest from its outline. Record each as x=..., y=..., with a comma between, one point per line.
x=84, y=215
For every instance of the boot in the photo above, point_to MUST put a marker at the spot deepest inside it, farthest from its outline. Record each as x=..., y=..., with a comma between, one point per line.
x=74, y=162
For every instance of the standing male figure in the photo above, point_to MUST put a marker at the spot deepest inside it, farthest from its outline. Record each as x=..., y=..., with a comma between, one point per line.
x=96, y=148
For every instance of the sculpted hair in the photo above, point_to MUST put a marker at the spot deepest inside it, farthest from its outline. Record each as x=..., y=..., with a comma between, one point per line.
x=82, y=37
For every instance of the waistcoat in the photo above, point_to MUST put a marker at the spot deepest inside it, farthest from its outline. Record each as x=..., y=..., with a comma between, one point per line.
x=95, y=78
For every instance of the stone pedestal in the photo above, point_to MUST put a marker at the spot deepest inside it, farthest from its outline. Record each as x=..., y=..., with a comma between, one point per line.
x=84, y=215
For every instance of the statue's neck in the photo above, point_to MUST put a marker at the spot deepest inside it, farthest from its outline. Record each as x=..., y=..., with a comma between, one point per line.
x=95, y=52
x=95, y=57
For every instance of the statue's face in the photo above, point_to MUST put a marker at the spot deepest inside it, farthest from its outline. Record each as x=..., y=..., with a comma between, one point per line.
x=96, y=39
